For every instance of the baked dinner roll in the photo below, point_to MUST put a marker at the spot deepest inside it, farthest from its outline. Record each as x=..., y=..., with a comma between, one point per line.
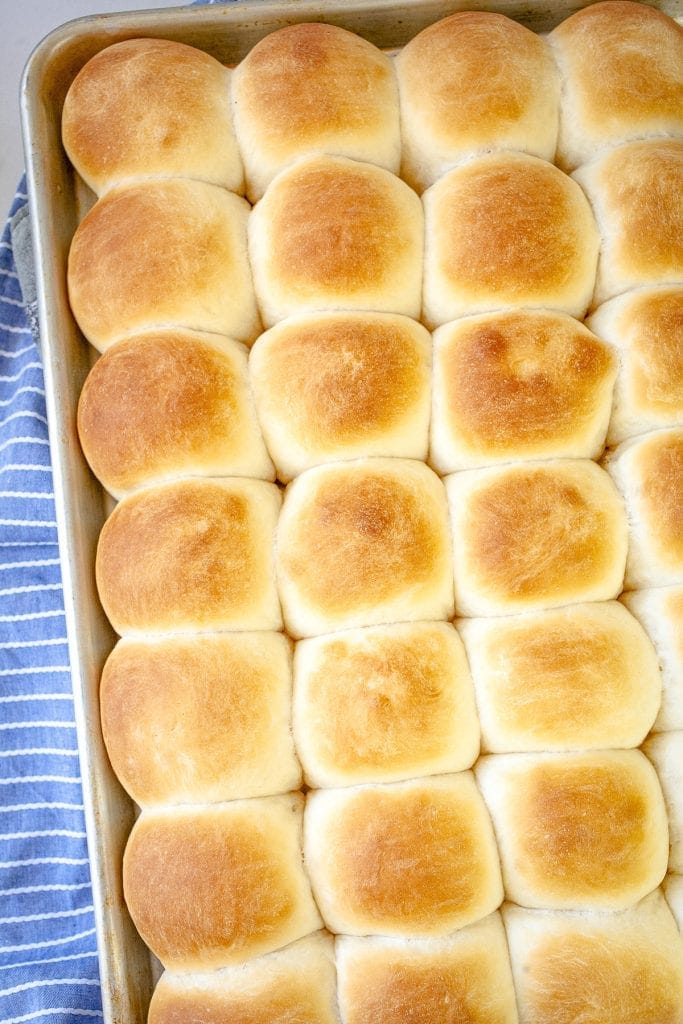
x=673, y=891
x=580, y=677
x=151, y=107
x=212, y=886
x=638, y=89
x=167, y=404
x=661, y=613
x=471, y=83
x=293, y=984
x=535, y=535
x=648, y=471
x=666, y=753
x=405, y=859
x=507, y=230
x=518, y=385
x=334, y=386
x=384, y=703
x=362, y=543
x=190, y=720
x=196, y=555
x=332, y=233
x=635, y=191
x=576, y=831
x=464, y=978
x=160, y=253
x=597, y=968
x=314, y=88
x=646, y=328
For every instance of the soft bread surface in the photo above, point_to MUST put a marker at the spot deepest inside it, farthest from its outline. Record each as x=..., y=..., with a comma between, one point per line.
x=597, y=968
x=314, y=88
x=661, y=613
x=363, y=543
x=196, y=555
x=535, y=535
x=151, y=107
x=518, y=385
x=471, y=83
x=577, y=831
x=167, y=404
x=580, y=677
x=673, y=891
x=621, y=66
x=332, y=233
x=332, y=386
x=200, y=719
x=384, y=703
x=405, y=859
x=646, y=328
x=507, y=231
x=159, y=253
x=217, y=885
x=296, y=984
x=666, y=753
x=464, y=978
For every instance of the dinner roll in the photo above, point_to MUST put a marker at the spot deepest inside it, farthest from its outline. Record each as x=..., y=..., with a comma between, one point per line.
x=673, y=891
x=648, y=471
x=666, y=753
x=576, y=831
x=151, y=107
x=384, y=703
x=507, y=230
x=196, y=555
x=167, y=404
x=190, y=720
x=661, y=613
x=212, y=886
x=518, y=385
x=334, y=386
x=646, y=328
x=293, y=984
x=535, y=535
x=580, y=677
x=363, y=543
x=464, y=978
x=314, y=88
x=635, y=191
x=162, y=253
x=621, y=66
x=471, y=83
x=332, y=233
x=403, y=859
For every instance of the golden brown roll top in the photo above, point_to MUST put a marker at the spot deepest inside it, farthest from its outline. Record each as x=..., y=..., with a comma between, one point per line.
x=470, y=83
x=212, y=886
x=666, y=753
x=167, y=404
x=332, y=386
x=363, y=543
x=196, y=555
x=576, y=678
x=661, y=613
x=635, y=191
x=597, y=968
x=648, y=471
x=151, y=107
x=332, y=233
x=620, y=65
x=465, y=977
x=163, y=253
x=404, y=859
x=507, y=231
x=190, y=720
x=314, y=88
x=518, y=385
x=645, y=327
x=383, y=703
x=576, y=831
x=535, y=535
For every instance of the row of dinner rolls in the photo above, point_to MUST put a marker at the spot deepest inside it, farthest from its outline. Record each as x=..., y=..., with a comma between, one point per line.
x=154, y=107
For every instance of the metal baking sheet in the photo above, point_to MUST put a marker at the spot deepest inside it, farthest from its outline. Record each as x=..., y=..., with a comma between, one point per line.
x=56, y=200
